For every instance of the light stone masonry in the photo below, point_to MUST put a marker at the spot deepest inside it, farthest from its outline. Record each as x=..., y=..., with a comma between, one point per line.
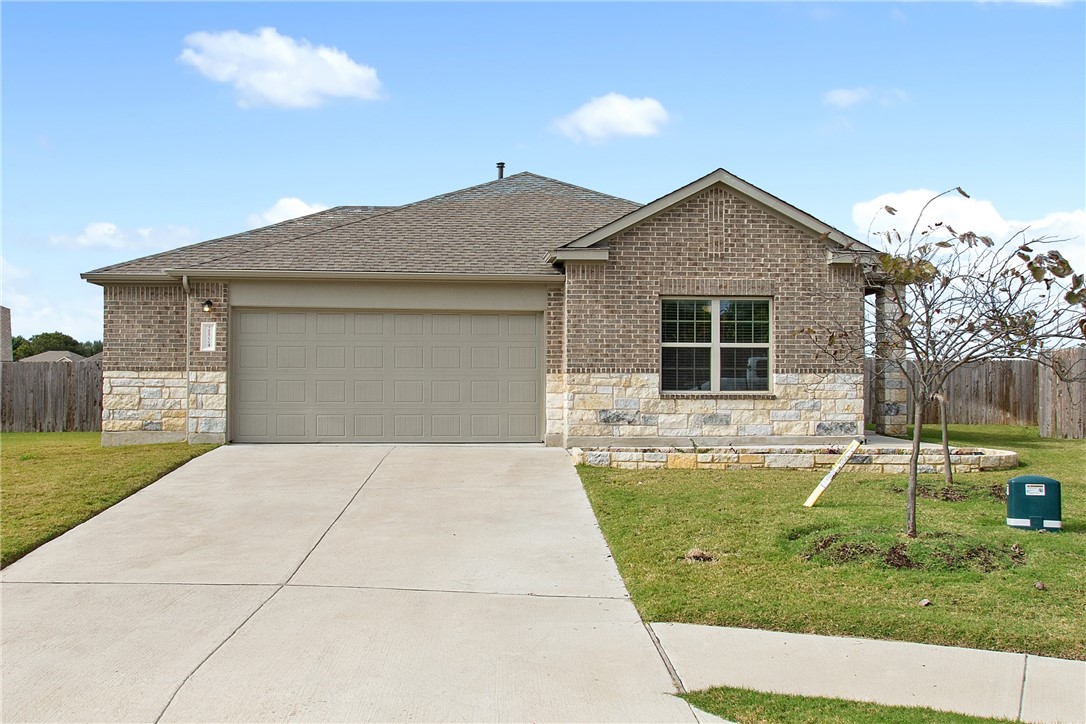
x=143, y=401
x=620, y=405
x=192, y=405
x=868, y=458
x=207, y=406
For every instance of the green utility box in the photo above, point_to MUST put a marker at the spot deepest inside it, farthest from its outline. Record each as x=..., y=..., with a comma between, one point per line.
x=1034, y=502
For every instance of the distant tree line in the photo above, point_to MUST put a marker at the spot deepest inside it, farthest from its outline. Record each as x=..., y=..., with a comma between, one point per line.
x=52, y=341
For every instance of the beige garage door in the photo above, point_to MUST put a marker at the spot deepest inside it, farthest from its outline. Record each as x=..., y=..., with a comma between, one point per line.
x=303, y=376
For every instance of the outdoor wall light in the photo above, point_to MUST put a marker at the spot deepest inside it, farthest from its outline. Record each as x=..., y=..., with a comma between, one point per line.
x=207, y=305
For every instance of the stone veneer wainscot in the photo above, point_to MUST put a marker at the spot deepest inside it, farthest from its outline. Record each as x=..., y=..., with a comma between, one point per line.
x=617, y=405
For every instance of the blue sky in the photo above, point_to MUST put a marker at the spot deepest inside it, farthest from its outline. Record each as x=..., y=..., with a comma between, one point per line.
x=132, y=127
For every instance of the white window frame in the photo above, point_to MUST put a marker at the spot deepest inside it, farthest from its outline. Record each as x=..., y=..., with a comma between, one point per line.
x=715, y=345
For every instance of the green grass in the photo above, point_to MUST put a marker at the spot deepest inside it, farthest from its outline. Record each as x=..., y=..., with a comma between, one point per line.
x=756, y=707
x=845, y=567
x=52, y=482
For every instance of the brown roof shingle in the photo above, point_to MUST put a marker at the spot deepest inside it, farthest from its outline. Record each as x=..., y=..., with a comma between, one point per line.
x=505, y=226
x=207, y=252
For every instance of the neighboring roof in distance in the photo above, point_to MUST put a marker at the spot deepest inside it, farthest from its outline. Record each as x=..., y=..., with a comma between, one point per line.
x=53, y=356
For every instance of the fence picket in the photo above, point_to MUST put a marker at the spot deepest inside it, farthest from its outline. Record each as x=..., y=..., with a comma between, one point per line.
x=51, y=396
x=1009, y=392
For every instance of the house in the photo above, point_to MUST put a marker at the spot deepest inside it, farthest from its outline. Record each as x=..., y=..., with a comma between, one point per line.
x=54, y=356
x=520, y=310
x=5, y=335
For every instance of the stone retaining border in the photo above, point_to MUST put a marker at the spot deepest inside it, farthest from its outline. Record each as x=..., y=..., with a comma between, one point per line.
x=868, y=457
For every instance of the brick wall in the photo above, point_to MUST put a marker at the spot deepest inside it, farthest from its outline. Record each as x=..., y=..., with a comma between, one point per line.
x=144, y=327
x=218, y=293
x=554, y=329
x=713, y=244
x=158, y=385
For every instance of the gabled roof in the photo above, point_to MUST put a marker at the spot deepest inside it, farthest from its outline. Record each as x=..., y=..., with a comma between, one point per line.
x=53, y=356
x=581, y=248
x=503, y=228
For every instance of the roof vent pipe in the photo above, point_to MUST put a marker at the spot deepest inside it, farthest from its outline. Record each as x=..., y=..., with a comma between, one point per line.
x=501, y=169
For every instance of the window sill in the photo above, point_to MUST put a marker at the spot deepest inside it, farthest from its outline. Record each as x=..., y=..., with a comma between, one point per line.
x=718, y=395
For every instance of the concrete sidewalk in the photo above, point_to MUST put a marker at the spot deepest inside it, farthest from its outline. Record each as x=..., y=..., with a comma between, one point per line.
x=968, y=681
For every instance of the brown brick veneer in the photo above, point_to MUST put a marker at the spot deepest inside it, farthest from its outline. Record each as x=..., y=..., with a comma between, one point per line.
x=713, y=244
x=219, y=294
x=144, y=327
x=554, y=329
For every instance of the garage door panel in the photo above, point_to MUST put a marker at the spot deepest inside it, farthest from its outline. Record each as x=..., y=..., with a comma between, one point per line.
x=253, y=425
x=369, y=357
x=332, y=426
x=446, y=325
x=290, y=426
x=331, y=358
x=290, y=358
x=369, y=376
x=369, y=391
x=290, y=323
x=253, y=357
x=409, y=358
x=523, y=424
x=523, y=326
x=331, y=324
x=445, y=358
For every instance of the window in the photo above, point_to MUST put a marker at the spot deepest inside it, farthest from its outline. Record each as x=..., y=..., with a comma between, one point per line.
x=715, y=345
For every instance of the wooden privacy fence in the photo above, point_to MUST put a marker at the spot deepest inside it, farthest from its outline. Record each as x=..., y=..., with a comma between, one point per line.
x=51, y=396
x=1061, y=402
x=1009, y=392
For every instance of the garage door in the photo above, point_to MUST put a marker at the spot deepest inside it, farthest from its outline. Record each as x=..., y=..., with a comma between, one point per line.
x=304, y=376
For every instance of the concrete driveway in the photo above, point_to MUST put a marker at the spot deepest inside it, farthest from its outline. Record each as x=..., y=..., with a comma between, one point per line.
x=335, y=583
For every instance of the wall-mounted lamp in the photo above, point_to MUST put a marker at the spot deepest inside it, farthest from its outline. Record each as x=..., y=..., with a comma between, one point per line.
x=207, y=305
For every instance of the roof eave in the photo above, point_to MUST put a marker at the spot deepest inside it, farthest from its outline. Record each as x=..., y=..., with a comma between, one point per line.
x=118, y=278
x=176, y=275
x=307, y=275
x=583, y=255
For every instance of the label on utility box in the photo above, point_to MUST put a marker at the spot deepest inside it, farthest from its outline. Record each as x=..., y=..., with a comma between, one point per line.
x=1035, y=488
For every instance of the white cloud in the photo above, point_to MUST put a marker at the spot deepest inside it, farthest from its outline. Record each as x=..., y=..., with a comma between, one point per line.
x=974, y=215
x=851, y=97
x=846, y=97
x=611, y=116
x=285, y=208
x=107, y=235
x=36, y=305
x=9, y=271
x=269, y=69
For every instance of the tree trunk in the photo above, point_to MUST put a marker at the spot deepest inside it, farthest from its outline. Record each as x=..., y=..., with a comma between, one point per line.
x=948, y=471
x=914, y=458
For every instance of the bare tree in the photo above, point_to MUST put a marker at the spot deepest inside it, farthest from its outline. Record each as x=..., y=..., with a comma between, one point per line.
x=949, y=298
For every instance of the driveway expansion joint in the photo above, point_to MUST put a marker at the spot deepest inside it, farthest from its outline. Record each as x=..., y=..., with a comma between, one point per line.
x=279, y=587
x=340, y=515
x=456, y=590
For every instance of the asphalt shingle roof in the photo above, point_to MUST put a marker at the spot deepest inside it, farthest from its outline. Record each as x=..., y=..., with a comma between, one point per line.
x=505, y=226
x=207, y=252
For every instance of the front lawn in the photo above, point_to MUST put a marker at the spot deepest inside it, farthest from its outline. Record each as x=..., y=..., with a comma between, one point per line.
x=51, y=482
x=755, y=707
x=844, y=567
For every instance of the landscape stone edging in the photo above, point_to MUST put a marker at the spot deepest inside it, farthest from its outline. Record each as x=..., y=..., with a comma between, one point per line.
x=812, y=457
